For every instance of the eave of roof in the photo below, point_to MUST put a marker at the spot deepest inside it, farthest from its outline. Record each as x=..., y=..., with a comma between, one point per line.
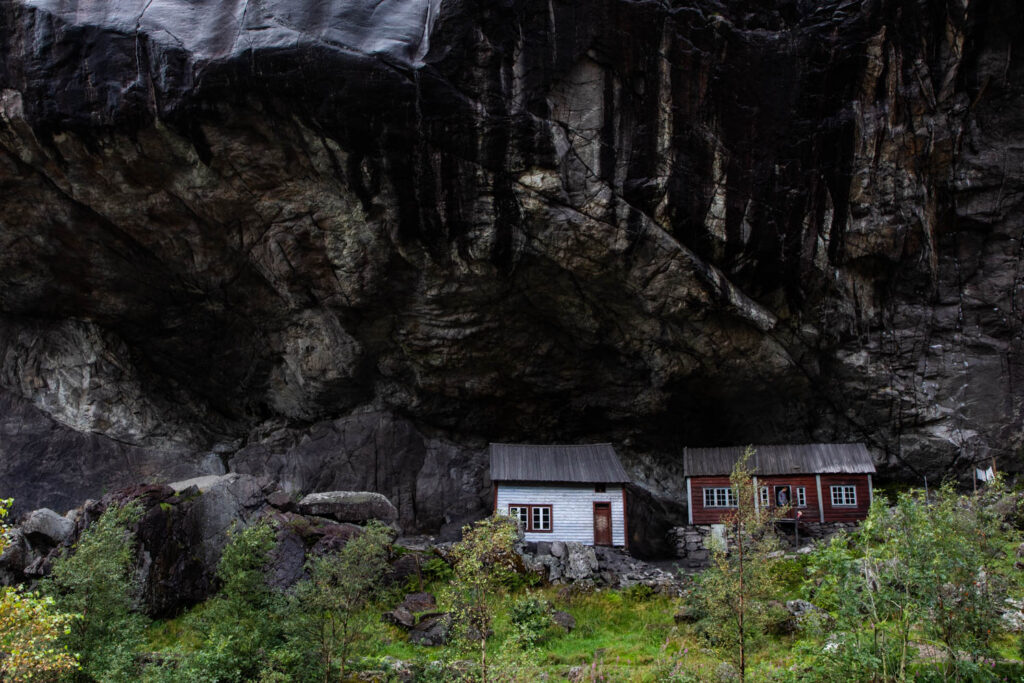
x=564, y=463
x=771, y=460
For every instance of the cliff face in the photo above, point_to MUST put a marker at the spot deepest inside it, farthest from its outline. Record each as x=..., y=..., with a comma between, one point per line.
x=347, y=244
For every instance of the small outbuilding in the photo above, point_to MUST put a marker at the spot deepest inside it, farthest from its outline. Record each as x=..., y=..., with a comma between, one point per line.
x=822, y=483
x=562, y=492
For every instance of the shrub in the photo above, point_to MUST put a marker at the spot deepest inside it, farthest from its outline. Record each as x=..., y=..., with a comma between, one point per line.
x=97, y=581
x=241, y=624
x=530, y=618
x=484, y=559
x=931, y=565
x=638, y=592
x=339, y=586
x=31, y=628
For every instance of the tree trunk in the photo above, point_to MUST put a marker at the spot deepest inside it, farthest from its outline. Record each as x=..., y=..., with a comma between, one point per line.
x=739, y=548
x=483, y=658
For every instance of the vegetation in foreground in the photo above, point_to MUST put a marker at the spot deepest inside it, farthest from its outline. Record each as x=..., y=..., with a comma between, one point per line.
x=915, y=594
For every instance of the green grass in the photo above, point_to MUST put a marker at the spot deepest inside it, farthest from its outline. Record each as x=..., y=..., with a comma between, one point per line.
x=621, y=636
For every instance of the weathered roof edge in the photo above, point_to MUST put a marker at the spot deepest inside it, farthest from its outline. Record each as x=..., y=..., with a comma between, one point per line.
x=556, y=463
x=780, y=459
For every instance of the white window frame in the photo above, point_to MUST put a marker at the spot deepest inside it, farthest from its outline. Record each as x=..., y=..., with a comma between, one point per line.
x=765, y=498
x=801, y=496
x=540, y=518
x=843, y=496
x=719, y=497
x=533, y=518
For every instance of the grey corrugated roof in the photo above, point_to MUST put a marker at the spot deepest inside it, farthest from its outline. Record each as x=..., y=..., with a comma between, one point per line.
x=811, y=458
x=590, y=463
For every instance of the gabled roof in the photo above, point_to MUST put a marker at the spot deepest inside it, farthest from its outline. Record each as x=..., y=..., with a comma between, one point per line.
x=812, y=458
x=589, y=463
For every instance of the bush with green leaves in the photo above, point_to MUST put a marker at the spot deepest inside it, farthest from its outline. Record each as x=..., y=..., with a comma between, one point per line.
x=242, y=623
x=484, y=560
x=530, y=618
x=325, y=607
x=31, y=630
x=97, y=581
x=926, y=568
x=638, y=592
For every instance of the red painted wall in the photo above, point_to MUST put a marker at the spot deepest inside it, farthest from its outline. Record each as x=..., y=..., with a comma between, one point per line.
x=702, y=515
x=846, y=514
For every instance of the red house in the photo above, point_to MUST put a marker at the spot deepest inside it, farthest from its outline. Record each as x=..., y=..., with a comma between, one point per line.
x=820, y=482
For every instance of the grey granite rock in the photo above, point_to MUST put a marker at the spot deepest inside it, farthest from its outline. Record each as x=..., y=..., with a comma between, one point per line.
x=349, y=506
x=431, y=631
x=345, y=244
x=48, y=525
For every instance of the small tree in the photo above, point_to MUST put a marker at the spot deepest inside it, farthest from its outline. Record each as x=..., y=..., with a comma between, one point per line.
x=741, y=579
x=241, y=622
x=484, y=560
x=339, y=586
x=31, y=629
x=97, y=582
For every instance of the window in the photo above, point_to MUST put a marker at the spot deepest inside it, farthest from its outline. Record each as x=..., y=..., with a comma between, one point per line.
x=801, y=497
x=764, y=496
x=532, y=517
x=783, y=496
x=600, y=488
x=541, y=518
x=722, y=497
x=844, y=496
x=520, y=513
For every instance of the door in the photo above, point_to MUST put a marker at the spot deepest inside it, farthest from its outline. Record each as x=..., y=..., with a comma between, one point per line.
x=602, y=523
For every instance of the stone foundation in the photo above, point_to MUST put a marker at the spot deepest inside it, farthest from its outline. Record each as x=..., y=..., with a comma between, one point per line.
x=692, y=541
x=691, y=544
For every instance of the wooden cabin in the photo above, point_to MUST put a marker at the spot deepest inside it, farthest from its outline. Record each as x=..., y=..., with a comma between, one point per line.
x=562, y=492
x=820, y=482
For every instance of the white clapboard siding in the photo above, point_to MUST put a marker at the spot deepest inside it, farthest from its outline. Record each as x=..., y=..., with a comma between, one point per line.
x=572, y=509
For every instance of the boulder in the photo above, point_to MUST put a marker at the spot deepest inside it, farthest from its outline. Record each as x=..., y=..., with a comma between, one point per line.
x=349, y=506
x=287, y=560
x=802, y=608
x=419, y=602
x=333, y=537
x=581, y=561
x=15, y=557
x=564, y=620
x=282, y=501
x=432, y=631
x=1013, y=615
x=399, y=616
x=404, y=568
x=48, y=525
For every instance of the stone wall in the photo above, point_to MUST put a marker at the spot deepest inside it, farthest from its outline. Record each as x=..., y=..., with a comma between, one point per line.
x=692, y=544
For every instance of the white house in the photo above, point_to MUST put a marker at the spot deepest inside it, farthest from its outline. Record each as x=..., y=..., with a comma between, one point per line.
x=562, y=493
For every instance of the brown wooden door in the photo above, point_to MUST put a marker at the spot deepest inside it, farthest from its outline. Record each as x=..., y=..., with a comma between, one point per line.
x=602, y=523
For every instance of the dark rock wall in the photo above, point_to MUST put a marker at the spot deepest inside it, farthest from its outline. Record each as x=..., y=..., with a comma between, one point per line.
x=348, y=243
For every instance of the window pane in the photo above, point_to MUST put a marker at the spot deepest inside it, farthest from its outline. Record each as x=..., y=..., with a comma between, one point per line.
x=519, y=513
x=764, y=496
x=801, y=496
x=541, y=518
